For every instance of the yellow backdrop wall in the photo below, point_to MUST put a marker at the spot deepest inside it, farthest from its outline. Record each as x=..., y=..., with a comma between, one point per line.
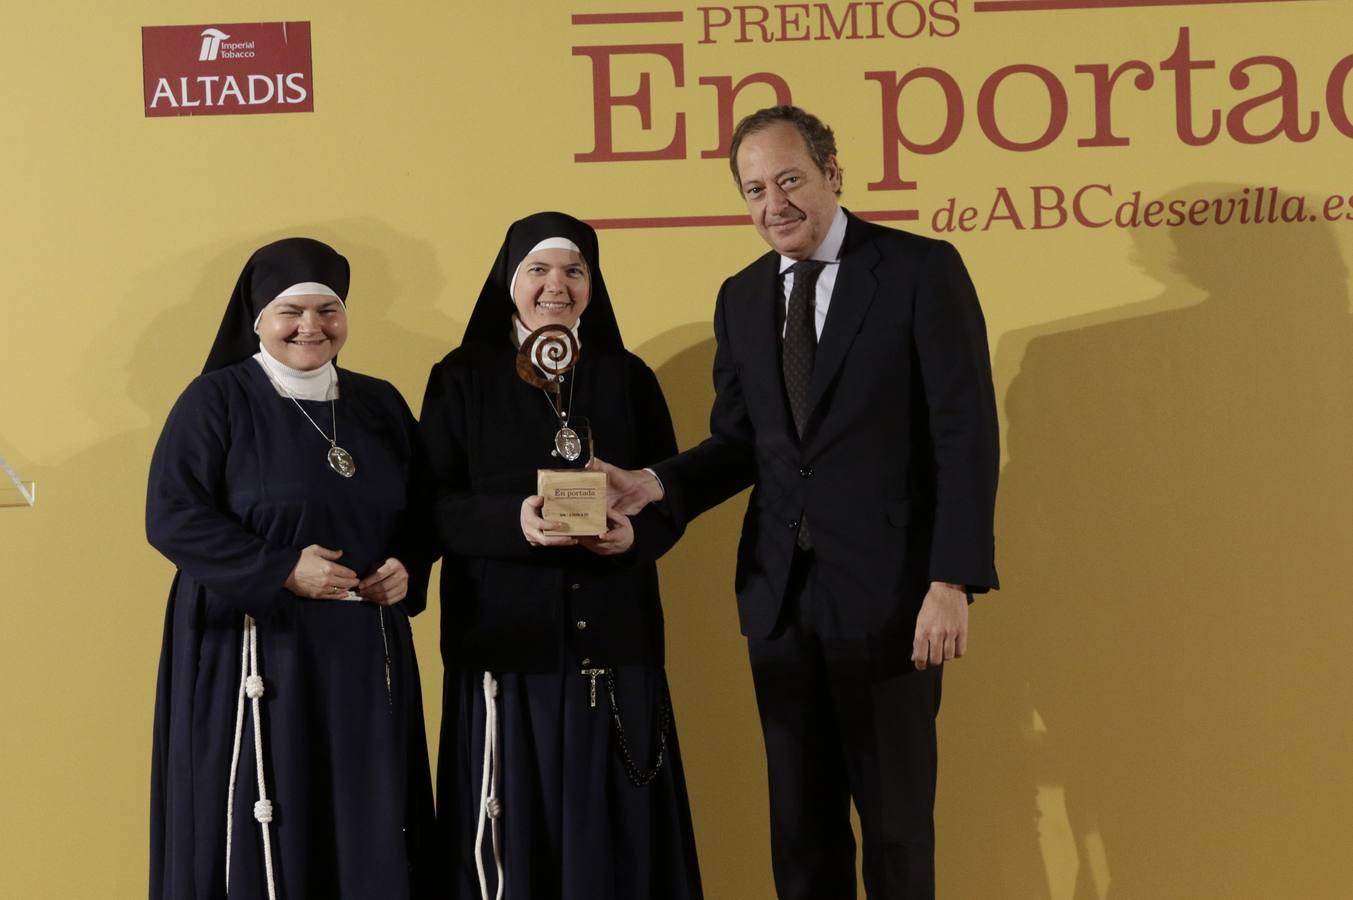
x=1153, y=707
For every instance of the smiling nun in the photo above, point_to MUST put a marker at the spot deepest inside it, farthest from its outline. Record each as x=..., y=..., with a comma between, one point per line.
x=559, y=773
x=289, y=750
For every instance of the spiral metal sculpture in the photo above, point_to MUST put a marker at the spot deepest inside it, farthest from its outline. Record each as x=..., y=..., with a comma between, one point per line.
x=547, y=354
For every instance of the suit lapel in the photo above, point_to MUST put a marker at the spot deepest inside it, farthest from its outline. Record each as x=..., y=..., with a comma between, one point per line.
x=765, y=321
x=851, y=297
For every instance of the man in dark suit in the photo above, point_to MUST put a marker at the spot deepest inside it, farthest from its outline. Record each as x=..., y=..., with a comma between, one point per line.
x=854, y=392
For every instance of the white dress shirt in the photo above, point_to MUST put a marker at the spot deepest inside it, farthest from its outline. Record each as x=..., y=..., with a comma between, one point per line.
x=829, y=252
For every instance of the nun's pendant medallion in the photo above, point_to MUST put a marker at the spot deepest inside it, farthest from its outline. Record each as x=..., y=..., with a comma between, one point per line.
x=567, y=444
x=341, y=462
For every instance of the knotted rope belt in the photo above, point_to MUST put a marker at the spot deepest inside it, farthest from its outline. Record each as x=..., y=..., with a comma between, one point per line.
x=251, y=686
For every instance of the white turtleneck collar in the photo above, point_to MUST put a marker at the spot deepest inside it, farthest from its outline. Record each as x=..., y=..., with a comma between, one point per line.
x=520, y=332
x=316, y=384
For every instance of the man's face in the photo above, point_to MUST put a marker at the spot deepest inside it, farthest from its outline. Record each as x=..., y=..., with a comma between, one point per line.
x=792, y=202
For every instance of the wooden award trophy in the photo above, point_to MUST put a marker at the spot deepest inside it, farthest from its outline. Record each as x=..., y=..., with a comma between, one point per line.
x=574, y=497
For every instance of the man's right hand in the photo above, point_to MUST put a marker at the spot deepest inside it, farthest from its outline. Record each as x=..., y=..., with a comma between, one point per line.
x=628, y=490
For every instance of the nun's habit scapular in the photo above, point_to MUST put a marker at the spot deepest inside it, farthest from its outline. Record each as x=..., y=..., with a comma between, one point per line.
x=239, y=484
x=573, y=823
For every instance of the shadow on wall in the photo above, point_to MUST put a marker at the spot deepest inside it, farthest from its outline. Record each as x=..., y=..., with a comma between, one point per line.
x=715, y=708
x=1153, y=707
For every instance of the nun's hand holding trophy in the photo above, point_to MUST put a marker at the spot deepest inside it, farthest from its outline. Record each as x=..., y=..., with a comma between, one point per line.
x=569, y=506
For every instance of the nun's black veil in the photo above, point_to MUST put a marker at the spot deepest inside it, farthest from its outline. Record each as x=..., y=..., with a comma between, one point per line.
x=270, y=271
x=491, y=321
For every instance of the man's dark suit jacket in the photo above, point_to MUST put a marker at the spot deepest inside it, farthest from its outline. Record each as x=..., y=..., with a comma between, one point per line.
x=896, y=471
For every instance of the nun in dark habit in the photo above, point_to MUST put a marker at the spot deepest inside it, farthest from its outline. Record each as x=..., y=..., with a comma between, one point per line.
x=559, y=773
x=289, y=752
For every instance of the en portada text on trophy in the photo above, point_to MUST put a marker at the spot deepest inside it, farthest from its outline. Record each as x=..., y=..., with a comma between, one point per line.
x=574, y=497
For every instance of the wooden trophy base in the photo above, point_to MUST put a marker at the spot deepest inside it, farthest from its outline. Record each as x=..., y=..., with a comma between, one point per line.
x=574, y=497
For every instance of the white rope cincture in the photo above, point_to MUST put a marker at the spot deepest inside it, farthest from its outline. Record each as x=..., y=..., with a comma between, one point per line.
x=251, y=687
x=235, y=753
x=490, y=806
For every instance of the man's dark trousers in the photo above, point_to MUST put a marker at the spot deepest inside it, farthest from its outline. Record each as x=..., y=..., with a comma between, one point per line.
x=842, y=719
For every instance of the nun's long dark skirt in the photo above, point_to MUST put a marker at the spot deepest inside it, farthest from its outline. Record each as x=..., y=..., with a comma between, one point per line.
x=573, y=825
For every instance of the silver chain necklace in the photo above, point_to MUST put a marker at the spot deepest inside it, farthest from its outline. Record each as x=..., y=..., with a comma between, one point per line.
x=340, y=460
x=566, y=441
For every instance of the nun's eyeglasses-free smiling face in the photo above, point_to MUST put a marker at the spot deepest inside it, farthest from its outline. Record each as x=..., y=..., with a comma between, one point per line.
x=303, y=332
x=552, y=288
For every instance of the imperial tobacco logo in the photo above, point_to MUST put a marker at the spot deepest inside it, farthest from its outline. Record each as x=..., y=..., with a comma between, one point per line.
x=211, y=44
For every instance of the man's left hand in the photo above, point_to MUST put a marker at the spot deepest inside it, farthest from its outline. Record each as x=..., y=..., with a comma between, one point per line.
x=942, y=626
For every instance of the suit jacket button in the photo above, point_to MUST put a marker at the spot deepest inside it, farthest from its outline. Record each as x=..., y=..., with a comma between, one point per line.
x=793, y=523
x=581, y=624
x=806, y=472
x=575, y=586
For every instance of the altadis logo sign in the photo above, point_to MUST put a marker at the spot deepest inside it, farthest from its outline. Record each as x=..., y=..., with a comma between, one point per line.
x=236, y=69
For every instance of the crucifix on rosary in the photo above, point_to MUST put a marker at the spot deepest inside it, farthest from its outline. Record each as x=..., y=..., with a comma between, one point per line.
x=592, y=684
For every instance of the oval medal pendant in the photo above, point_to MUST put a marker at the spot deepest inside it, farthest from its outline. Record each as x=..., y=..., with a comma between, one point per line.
x=341, y=462
x=567, y=444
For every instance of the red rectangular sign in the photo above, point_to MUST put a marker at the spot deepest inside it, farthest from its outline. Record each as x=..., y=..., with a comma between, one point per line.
x=227, y=70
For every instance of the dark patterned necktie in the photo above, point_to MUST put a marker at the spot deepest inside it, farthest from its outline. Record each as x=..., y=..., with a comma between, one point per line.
x=800, y=344
x=797, y=354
